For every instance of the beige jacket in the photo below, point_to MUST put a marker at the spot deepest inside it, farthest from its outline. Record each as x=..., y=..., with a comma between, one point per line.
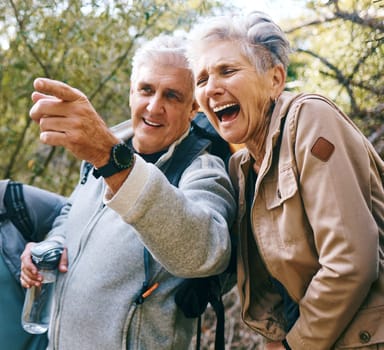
x=317, y=219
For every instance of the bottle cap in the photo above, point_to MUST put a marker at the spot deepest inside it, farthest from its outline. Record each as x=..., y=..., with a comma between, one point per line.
x=47, y=254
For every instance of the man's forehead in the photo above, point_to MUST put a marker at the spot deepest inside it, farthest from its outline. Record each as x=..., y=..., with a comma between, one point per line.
x=166, y=76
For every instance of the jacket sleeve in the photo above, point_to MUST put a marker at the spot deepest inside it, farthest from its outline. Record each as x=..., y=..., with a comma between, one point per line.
x=335, y=175
x=185, y=228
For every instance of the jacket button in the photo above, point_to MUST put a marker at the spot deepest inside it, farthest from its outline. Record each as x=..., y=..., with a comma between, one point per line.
x=365, y=337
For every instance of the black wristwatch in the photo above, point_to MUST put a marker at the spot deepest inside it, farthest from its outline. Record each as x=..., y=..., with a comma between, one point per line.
x=121, y=158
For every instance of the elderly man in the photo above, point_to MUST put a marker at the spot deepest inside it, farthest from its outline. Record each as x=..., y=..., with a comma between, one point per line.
x=114, y=296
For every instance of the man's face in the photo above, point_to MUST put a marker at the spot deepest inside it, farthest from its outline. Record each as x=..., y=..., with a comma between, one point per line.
x=162, y=106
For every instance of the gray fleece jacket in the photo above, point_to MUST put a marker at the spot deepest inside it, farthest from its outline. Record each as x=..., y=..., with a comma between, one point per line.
x=184, y=228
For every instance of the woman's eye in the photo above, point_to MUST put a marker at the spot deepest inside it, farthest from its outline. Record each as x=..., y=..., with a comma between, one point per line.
x=201, y=81
x=228, y=71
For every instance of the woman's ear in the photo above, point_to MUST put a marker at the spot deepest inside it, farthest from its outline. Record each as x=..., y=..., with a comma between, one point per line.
x=278, y=80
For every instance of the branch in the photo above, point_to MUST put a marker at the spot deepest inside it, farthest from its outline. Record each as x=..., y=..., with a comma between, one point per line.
x=17, y=148
x=377, y=134
x=25, y=39
x=44, y=166
x=376, y=90
x=311, y=23
x=377, y=139
x=354, y=17
x=120, y=61
x=376, y=111
x=375, y=23
x=340, y=77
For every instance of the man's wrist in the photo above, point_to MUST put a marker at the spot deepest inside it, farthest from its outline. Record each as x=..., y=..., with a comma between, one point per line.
x=121, y=158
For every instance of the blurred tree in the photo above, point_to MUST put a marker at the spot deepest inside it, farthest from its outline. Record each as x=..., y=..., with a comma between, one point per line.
x=85, y=43
x=338, y=47
x=339, y=51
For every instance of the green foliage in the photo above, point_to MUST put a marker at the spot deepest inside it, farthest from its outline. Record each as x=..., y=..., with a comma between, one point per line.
x=87, y=44
x=339, y=50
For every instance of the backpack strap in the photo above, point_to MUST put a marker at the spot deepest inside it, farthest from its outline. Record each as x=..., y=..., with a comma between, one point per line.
x=146, y=290
x=204, y=129
x=17, y=210
x=192, y=297
x=217, y=304
x=195, y=293
x=185, y=153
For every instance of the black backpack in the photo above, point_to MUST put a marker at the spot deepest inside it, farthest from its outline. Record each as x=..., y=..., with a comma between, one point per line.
x=194, y=294
x=17, y=210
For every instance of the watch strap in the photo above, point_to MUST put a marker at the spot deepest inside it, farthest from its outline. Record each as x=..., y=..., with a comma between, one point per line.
x=112, y=167
x=105, y=171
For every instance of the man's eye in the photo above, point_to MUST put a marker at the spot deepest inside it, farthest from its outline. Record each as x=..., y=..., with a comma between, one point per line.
x=173, y=96
x=145, y=90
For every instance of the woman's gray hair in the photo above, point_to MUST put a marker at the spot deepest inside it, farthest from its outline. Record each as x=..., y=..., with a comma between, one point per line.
x=164, y=50
x=256, y=33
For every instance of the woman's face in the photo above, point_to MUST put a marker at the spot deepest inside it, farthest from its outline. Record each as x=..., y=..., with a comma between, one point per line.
x=234, y=96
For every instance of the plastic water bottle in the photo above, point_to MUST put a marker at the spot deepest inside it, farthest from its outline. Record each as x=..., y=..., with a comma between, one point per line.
x=38, y=300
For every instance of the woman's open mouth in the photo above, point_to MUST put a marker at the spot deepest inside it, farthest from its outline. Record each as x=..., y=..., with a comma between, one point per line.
x=227, y=112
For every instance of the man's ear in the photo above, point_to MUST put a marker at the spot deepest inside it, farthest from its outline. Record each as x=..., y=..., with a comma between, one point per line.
x=130, y=94
x=278, y=80
x=195, y=108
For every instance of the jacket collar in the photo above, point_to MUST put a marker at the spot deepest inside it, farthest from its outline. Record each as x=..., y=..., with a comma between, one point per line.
x=279, y=112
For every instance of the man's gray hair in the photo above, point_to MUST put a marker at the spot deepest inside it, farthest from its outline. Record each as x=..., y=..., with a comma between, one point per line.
x=261, y=40
x=163, y=50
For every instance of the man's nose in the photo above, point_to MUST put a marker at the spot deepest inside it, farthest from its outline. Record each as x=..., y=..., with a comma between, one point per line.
x=155, y=105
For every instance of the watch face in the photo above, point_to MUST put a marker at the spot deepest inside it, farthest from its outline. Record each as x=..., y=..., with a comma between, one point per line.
x=122, y=155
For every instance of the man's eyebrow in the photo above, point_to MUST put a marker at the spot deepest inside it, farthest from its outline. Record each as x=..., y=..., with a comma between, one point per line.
x=143, y=83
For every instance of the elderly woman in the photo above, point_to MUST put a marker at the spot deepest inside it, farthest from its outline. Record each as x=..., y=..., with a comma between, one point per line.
x=310, y=193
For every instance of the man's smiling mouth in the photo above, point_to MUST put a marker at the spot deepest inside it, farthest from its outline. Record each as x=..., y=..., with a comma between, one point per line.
x=146, y=121
x=227, y=112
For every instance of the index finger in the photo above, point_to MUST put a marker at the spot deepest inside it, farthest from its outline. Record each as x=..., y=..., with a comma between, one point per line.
x=58, y=89
x=63, y=265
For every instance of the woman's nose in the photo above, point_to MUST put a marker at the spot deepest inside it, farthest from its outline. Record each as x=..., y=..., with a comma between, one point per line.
x=213, y=87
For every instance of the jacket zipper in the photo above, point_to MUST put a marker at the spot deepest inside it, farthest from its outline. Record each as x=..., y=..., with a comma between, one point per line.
x=82, y=243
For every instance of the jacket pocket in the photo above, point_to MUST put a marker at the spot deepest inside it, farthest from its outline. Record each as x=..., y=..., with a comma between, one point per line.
x=280, y=187
x=131, y=331
x=366, y=329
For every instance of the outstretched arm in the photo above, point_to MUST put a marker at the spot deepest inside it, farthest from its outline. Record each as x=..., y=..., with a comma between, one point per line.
x=67, y=118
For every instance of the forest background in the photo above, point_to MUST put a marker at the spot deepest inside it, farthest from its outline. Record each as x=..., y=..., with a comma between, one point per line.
x=338, y=51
